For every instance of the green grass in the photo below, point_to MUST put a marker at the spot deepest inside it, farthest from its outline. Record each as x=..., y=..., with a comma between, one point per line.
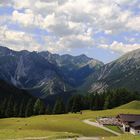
x=123, y=137
x=58, y=126
x=71, y=123
x=131, y=105
x=114, y=128
x=9, y=133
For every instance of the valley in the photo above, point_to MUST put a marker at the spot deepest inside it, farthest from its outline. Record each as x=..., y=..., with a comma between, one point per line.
x=51, y=85
x=51, y=126
x=44, y=74
x=69, y=70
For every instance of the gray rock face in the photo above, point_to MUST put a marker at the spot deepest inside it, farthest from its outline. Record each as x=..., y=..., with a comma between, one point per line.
x=26, y=70
x=124, y=72
x=44, y=72
x=75, y=69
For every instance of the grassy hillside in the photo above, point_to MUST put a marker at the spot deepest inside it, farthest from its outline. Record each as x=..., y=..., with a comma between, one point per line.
x=114, y=128
x=58, y=126
x=131, y=105
x=123, y=137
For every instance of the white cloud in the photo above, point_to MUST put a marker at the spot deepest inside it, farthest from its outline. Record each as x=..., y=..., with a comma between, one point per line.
x=5, y=3
x=121, y=47
x=74, y=23
x=21, y=4
x=27, y=19
x=68, y=42
x=4, y=19
x=77, y=40
x=100, y=15
x=17, y=40
x=108, y=31
x=134, y=23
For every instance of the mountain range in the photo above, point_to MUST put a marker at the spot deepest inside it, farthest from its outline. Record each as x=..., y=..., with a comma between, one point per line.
x=43, y=74
x=121, y=73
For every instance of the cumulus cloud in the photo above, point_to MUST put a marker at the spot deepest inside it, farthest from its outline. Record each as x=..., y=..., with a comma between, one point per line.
x=134, y=23
x=5, y=3
x=75, y=23
x=121, y=47
x=27, y=18
x=17, y=40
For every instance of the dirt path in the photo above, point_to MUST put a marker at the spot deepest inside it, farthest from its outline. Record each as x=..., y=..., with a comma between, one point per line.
x=100, y=126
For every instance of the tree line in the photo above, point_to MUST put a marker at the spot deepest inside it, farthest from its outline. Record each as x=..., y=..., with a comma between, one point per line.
x=93, y=101
x=23, y=108
x=96, y=101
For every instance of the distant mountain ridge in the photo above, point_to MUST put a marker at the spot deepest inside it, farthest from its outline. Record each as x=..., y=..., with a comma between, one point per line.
x=74, y=68
x=122, y=73
x=43, y=73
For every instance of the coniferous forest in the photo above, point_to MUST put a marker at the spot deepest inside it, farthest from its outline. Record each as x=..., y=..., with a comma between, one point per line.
x=27, y=106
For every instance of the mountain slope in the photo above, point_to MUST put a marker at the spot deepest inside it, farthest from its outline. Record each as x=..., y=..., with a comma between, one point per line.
x=43, y=73
x=7, y=90
x=29, y=70
x=74, y=68
x=124, y=72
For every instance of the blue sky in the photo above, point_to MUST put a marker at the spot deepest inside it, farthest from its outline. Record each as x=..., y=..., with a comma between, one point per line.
x=104, y=29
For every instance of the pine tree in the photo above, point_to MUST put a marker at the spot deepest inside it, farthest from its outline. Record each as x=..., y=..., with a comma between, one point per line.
x=107, y=102
x=29, y=108
x=42, y=108
x=22, y=109
x=91, y=101
x=69, y=104
x=39, y=107
x=0, y=109
x=3, y=107
x=59, y=107
x=48, y=110
x=15, y=110
x=77, y=104
x=9, y=108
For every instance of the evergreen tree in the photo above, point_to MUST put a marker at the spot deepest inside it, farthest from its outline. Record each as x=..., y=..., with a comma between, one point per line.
x=96, y=102
x=77, y=104
x=107, y=102
x=91, y=101
x=59, y=107
x=85, y=102
x=15, y=110
x=3, y=107
x=0, y=109
x=39, y=107
x=29, y=108
x=69, y=104
x=48, y=110
x=22, y=109
x=9, y=108
x=42, y=108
